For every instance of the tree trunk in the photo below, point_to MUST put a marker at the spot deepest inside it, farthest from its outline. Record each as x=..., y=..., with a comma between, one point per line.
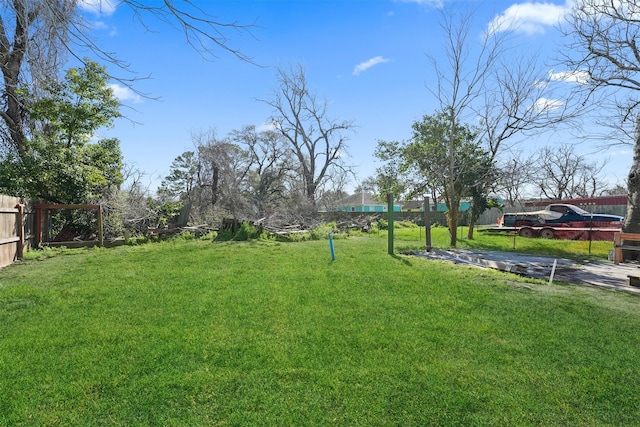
x=455, y=202
x=12, y=54
x=472, y=224
x=310, y=189
x=453, y=227
x=453, y=206
x=632, y=219
x=215, y=181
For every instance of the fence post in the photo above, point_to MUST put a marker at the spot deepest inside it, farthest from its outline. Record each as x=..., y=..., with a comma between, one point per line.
x=20, y=226
x=38, y=226
x=427, y=223
x=100, y=235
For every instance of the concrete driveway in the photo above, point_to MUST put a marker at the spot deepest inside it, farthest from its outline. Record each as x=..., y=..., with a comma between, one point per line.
x=602, y=274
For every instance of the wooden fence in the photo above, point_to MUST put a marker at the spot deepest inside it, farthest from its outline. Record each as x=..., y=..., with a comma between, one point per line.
x=16, y=228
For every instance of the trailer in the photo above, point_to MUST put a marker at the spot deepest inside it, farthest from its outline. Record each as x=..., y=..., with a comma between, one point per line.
x=564, y=233
x=560, y=221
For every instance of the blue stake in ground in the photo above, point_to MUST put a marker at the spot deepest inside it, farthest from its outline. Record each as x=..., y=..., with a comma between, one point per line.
x=333, y=254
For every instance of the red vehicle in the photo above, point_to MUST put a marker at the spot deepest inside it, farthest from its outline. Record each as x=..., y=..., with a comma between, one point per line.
x=562, y=221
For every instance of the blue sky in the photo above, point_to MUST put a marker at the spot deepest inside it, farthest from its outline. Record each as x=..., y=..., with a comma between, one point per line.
x=368, y=59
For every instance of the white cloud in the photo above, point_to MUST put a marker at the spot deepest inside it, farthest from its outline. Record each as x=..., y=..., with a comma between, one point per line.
x=99, y=7
x=103, y=26
x=364, y=66
x=622, y=152
x=544, y=104
x=125, y=94
x=435, y=3
x=529, y=17
x=99, y=25
x=581, y=76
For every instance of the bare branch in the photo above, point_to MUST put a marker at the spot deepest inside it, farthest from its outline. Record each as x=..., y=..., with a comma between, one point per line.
x=602, y=41
x=204, y=32
x=316, y=140
x=36, y=36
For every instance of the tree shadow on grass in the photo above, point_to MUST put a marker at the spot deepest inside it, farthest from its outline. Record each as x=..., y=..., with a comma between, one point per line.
x=402, y=259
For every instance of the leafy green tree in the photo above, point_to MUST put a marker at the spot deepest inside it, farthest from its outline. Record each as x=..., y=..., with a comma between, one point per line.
x=58, y=164
x=390, y=177
x=429, y=157
x=183, y=176
x=422, y=164
x=72, y=110
x=104, y=163
x=482, y=177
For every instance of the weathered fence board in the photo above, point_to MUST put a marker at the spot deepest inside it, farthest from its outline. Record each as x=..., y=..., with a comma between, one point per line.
x=16, y=228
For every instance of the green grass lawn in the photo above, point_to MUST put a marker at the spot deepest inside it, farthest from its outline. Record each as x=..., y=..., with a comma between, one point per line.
x=265, y=333
x=409, y=236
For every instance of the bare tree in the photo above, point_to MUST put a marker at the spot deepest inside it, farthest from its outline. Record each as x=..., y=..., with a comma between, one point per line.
x=460, y=83
x=513, y=178
x=615, y=190
x=223, y=168
x=204, y=32
x=590, y=182
x=510, y=97
x=128, y=209
x=603, y=45
x=333, y=190
x=32, y=46
x=521, y=99
x=562, y=173
x=317, y=140
x=270, y=170
x=250, y=174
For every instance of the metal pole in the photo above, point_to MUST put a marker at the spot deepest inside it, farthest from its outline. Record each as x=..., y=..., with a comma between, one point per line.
x=590, y=232
x=333, y=254
x=390, y=224
x=553, y=271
